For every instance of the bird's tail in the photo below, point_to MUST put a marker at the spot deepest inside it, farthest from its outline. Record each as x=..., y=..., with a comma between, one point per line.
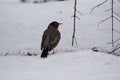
x=44, y=53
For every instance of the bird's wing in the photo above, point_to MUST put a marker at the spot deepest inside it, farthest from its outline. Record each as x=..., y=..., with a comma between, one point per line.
x=50, y=39
x=43, y=38
x=54, y=39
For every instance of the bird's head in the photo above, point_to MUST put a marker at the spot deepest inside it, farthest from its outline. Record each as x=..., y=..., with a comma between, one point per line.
x=54, y=24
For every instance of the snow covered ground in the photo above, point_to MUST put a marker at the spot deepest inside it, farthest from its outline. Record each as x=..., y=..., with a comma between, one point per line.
x=79, y=65
x=21, y=28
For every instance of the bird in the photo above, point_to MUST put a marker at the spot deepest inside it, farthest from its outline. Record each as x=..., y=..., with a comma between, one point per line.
x=50, y=38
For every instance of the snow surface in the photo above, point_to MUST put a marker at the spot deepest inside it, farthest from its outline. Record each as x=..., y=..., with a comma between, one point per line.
x=21, y=28
x=79, y=65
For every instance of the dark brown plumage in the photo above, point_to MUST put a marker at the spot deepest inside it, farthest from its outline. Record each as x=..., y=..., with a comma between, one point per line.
x=50, y=38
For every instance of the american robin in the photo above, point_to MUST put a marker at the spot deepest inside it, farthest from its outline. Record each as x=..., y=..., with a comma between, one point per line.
x=50, y=38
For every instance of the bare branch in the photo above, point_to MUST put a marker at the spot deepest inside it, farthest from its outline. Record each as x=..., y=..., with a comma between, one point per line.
x=97, y=6
x=72, y=16
x=77, y=17
x=117, y=45
x=79, y=12
x=103, y=21
x=116, y=40
x=76, y=41
x=114, y=50
x=74, y=23
x=116, y=13
x=116, y=18
x=108, y=10
x=118, y=1
x=116, y=30
x=6, y=53
x=109, y=43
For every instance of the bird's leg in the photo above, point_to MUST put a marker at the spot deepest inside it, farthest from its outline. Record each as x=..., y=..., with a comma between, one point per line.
x=53, y=52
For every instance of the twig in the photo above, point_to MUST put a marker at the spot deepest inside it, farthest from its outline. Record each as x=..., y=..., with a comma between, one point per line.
x=116, y=13
x=118, y=1
x=117, y=45
x=75, y=17
x=116, y=31
x=116, y=40
x=72, y=16
x=97, y=6
x=74, y=24
x=6, y=53
x=78, y=18
x=116, y=18
x=103, y=21
x=108, y=10
x=112, y=16
x=76, y=41
x=79, y=12
x=114, y=50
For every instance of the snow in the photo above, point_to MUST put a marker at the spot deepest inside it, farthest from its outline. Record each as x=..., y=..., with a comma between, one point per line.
x=23, y=24
x=21, y=28
x=77, y=65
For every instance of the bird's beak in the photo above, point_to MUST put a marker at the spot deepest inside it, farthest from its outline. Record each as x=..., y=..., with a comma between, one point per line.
x=60, y=23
